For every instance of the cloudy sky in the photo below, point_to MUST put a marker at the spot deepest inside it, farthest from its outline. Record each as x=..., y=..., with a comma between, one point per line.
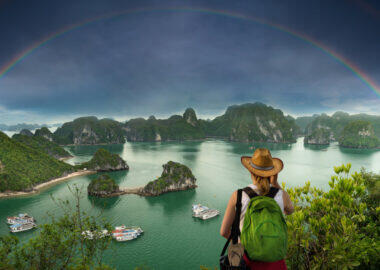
x=169, y=55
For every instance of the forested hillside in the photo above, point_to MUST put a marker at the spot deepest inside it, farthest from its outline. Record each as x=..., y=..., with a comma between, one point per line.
x=22, y=166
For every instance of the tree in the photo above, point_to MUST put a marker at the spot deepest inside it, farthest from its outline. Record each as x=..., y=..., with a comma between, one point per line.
x=335, y=229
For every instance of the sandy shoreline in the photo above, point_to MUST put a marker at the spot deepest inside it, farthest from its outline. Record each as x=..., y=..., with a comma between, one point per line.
x=44, y=185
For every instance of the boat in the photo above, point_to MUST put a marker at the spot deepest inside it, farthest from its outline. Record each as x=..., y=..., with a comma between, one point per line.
x=209, y=214
x=123, y=233
x=203, y=212
x=20, y=227
x=125, y=237
x=20, y=219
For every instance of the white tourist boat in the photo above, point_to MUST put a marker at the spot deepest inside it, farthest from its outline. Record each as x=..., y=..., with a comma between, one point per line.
x=203, y=212
x=123, y=233
x=20, y=227
x=20, y=219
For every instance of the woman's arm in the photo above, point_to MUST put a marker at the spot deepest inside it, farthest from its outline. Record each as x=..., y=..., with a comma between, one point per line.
x=288, y=204
x=229, y=216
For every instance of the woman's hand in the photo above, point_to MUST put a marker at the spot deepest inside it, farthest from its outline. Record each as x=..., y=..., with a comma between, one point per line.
x=273, y=181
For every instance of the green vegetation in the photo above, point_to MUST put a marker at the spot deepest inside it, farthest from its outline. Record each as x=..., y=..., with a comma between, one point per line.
x=42, y=144
x=359, y=134
x=103, y=160
x=304, y=121
x=44, y=132
x=24, y=166
x=318, y=136
x=337, y=124
x=59, y=244
x=338, y=228
x=173, y=174
x=253, y=122
x=176, y=128
x=90, y=130
x=102, y=186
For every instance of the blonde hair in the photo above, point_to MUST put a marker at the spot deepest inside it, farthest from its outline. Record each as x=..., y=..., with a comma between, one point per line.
x=263, y=183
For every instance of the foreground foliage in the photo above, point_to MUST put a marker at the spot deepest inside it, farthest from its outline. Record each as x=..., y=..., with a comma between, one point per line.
x=336, y=229
x=60, y=244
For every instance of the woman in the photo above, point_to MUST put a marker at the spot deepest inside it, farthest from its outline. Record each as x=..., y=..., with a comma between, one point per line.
x=264, y=172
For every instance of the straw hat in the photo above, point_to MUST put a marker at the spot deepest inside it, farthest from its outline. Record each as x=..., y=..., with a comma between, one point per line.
x=262, y=164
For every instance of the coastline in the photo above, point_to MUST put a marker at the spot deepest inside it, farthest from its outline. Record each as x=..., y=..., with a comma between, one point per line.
x=42, y=186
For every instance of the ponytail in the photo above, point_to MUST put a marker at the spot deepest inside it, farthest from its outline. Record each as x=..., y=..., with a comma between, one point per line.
x=263, y=184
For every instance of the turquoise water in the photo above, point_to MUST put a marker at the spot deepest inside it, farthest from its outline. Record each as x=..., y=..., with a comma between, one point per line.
x=172, y=238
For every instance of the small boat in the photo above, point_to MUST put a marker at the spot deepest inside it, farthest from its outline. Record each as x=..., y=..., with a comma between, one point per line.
x=209, y=214
x=125, y=237
x=21, y=218
x=203, y=212
x=123, y=233
x=20, y=227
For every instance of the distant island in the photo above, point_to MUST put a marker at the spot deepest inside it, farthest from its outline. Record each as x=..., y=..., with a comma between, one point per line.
x=354, y=131
x=249, y=123
x=90, y=130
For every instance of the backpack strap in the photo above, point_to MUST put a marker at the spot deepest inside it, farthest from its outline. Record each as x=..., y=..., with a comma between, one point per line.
x=272, y=192
x=235, y=231
x=250, y=192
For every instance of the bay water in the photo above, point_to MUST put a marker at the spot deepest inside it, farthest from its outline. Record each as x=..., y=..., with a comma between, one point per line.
x=172, y=239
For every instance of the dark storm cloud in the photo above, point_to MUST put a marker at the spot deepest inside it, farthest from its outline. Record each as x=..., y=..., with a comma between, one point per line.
x=162, y=62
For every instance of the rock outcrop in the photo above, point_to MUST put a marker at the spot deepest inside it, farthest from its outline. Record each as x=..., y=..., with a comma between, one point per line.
x=26, y=132
x=44, y=132
x=103, y=186
x=90, y=130
x=174, y=177
x=253, y=122
x=175, y=128
x=320, y=136
x=104, y=161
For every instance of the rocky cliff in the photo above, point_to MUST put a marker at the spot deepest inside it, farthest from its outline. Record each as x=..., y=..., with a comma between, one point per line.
x=44, y=132
x=320, y=136
x=175, y=128
x=253, y=122
x=174, y=177
x=104, y=161
x=90, y=130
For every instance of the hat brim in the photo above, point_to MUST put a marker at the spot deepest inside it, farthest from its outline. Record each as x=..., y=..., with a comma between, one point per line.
x=278, y=165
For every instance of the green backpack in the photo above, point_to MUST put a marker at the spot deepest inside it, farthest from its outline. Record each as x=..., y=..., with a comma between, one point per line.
x=264, y=233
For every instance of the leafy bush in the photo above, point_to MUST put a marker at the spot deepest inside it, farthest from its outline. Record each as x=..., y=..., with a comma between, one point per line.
x=338, y=228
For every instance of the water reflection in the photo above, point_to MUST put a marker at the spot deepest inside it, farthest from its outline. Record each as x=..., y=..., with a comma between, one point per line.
x=104, y=203
x=249, y=148
x=317, y=147
x=173, y=201
x=363, y=152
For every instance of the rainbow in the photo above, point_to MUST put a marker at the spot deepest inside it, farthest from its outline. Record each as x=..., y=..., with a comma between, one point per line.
x=339, y=58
